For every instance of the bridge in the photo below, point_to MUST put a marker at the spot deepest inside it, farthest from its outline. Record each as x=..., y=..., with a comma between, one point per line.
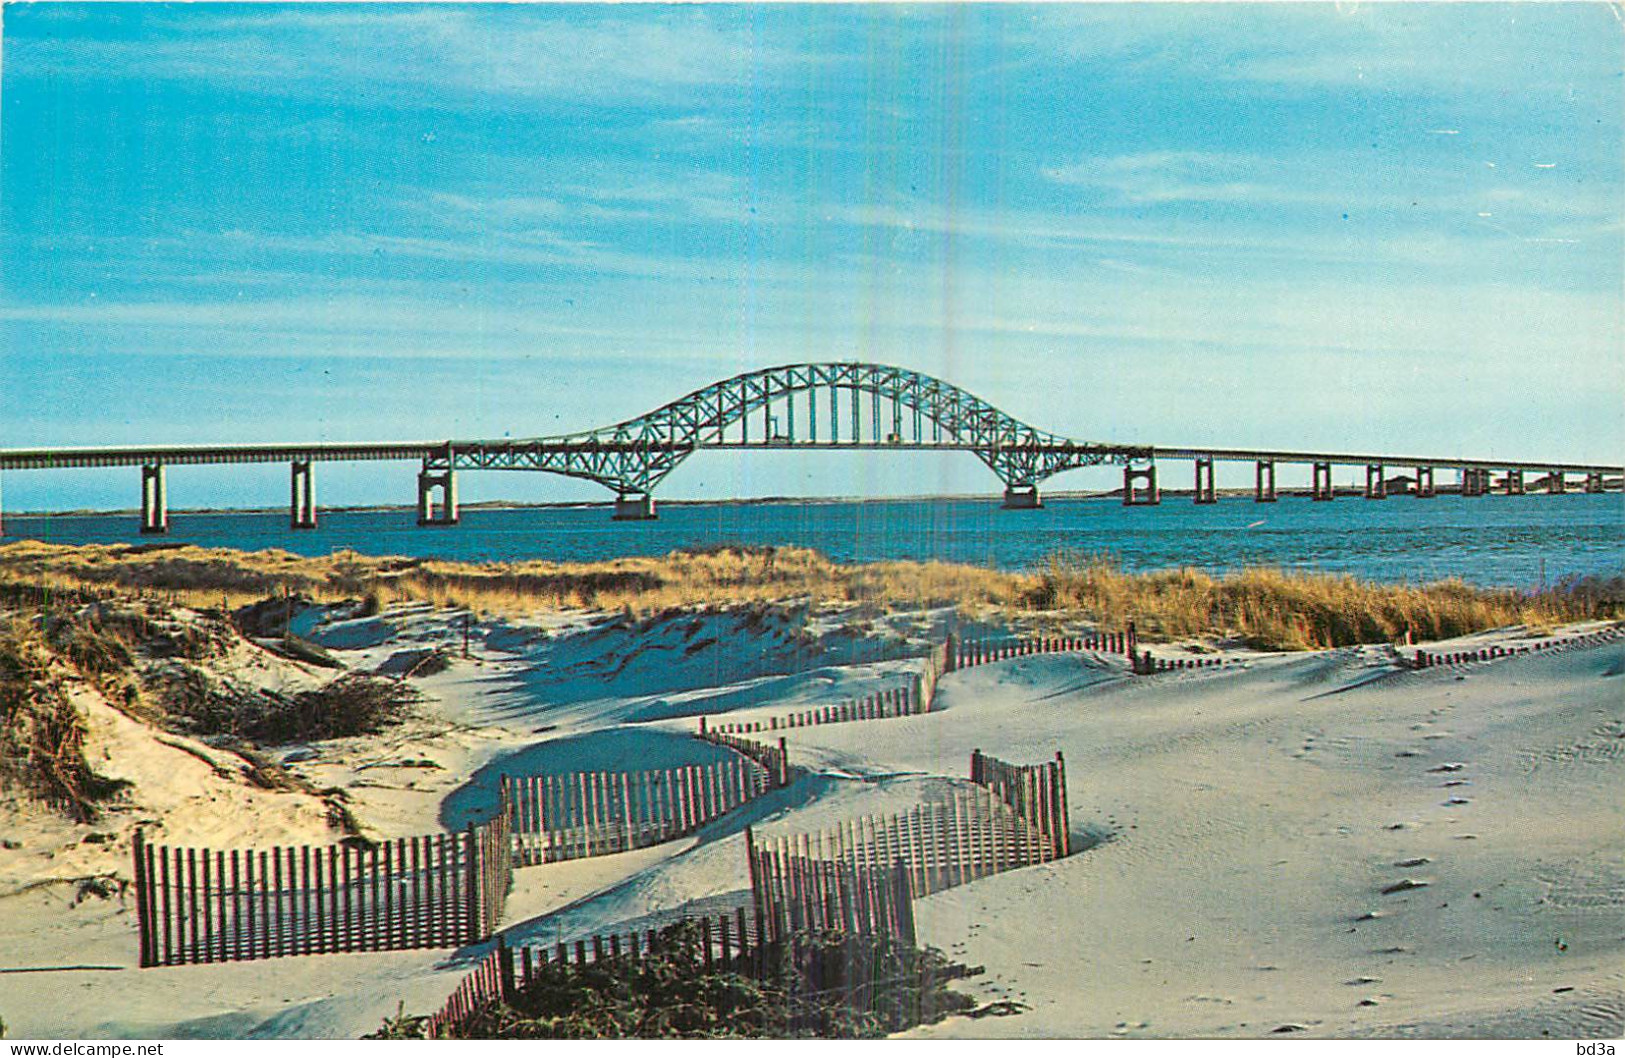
x=810, y=406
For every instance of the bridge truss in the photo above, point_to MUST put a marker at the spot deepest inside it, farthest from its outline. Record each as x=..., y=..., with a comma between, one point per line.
x=846, y=405
x=906, y=409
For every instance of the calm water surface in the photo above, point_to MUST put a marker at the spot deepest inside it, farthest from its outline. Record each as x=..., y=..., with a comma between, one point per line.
x=1504, y=540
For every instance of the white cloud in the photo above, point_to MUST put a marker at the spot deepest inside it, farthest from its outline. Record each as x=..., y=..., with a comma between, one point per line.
x=599, y=54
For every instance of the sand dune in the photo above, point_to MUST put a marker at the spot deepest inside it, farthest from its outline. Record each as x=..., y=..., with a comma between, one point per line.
x=1314, y=844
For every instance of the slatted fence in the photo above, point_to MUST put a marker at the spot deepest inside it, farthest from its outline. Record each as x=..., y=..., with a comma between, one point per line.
x=1037, y=793
x=1146, y=665
x=969, y=835
x=810, y=888
x=1432, y=659
x=772, y=758
x=904, y=700
x=567, y=817
x=862, y=963
x=197, y=905
x=970, y=653
x=908, y=699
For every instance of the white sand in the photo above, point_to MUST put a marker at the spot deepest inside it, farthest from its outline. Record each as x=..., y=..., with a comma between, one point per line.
x=1249, y=820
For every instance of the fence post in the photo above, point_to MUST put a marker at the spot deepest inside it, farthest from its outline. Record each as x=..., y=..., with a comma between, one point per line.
x=143, y=896
x=1063, y=815
x=784, y=764
x=471, y=857
x=506, y=988
x=755, y=885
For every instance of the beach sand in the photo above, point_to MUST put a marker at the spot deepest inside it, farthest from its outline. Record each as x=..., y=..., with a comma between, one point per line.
x=1317, y=844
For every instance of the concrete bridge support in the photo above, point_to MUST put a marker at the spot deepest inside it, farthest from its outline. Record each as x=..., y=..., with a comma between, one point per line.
x=1424, y=483
x=1556, y=483
x=1022, y=498
x=1594, y=482
x=301, y=496
x=154, y=500
x=1264, y=481
x=1376, y=484
x=1133, y=478
x=1514, y=483
x=1475, y=482
x=634, y=507
x=446, y=482
x=1320, y=486
x=1205, y=492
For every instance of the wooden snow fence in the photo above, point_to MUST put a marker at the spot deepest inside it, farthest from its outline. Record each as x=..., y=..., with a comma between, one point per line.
x=1037, y=793
x=907, y=699
x=904, y=700
x=800, y=884
x=1425, y=660
x=724, y=940
x=853, y=964
x=772, y=758
x=567, y=817
x=966, y=654
x=196, y=905
x=969, y=835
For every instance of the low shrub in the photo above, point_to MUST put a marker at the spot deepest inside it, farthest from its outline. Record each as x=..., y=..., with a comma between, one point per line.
x=823, y=986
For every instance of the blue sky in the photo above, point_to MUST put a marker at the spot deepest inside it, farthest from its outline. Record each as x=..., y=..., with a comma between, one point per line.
x=1375, y=226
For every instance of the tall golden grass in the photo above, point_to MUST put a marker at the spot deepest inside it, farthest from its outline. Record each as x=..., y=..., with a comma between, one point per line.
x=1269, y=608
x=1278, y=609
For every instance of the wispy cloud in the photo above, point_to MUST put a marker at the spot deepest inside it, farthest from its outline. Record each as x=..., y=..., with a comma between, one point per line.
x=603, y=54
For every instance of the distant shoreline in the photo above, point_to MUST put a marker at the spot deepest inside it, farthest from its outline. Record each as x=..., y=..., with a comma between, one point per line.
x=750, y=501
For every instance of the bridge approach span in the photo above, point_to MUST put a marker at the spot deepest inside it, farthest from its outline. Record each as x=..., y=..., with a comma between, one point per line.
x=836, y=405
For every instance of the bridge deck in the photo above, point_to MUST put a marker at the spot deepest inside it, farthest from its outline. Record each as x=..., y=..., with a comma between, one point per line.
x=486, y=450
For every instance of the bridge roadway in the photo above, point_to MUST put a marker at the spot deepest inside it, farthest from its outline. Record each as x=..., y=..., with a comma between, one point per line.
x=632, y=457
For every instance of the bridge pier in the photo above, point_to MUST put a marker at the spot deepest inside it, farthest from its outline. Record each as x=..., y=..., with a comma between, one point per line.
x=1556, y=483
x=1264, y=481
x=1022, y=498
x=1205, y=492
x=1320, y=486
x=1424, y=483
x=1134, y=496
x=1514, y=483
x=302, y=495
x=154, y=500
x=1475, y=482
x=1376, y=484
x=634, y=507
x=1594, y=482
x=446, y=482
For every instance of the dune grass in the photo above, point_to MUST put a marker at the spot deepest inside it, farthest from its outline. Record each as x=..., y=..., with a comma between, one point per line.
x=42, y=734
x=1265, y=607
x=1276, y=609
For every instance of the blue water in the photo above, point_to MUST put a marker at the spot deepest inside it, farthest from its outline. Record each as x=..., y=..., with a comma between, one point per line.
x=1497, y=540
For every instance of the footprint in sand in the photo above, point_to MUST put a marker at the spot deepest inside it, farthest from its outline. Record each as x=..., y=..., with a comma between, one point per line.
x=1452, y=766
x=1414, y=861
x=1364, y=981
x=1456, y=801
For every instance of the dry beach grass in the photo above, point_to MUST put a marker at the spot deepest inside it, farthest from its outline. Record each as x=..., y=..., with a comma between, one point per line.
x=1267, y=608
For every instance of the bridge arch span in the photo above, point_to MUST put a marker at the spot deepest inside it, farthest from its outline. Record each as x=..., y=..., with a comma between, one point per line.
x=793, y=406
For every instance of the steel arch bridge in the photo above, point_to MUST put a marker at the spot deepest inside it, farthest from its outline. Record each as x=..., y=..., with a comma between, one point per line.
x=905, y=409
x=820, y=405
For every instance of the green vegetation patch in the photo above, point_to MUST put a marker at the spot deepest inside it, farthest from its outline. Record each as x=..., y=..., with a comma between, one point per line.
x=824, y=986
